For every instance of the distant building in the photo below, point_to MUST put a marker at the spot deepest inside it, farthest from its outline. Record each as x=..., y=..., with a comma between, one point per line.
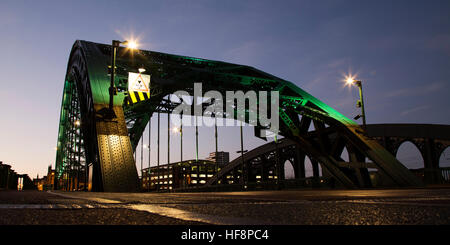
x=24, y=182
x=222, y=158
x=8, y=177
x=191, y=173
x=47, y=182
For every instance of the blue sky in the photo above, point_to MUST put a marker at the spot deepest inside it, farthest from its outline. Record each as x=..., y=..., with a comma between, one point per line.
x=399, y=49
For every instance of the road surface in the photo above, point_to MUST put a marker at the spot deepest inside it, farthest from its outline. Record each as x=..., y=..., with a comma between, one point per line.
x=296, y=207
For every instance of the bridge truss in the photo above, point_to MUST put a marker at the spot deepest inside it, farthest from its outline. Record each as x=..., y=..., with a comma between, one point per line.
x=108, y=145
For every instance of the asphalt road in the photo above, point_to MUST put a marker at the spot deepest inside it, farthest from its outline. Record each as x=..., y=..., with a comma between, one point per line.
x=300, y=207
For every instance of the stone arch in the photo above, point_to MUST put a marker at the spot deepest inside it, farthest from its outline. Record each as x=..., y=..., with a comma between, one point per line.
x=408, y=152
x=444, y=158
x=288, y=170
x=309, y=167
x=444, y=165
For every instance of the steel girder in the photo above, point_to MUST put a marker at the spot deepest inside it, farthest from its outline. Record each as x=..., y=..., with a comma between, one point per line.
x=88, y=67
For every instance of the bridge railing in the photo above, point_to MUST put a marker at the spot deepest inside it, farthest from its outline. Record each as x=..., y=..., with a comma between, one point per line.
x=266, y=185
x=445, y=173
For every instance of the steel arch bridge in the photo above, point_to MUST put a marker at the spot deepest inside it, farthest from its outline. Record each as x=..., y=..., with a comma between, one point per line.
x=105, y=147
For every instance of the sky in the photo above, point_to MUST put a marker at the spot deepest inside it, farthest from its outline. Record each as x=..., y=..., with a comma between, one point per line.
x=399, y=49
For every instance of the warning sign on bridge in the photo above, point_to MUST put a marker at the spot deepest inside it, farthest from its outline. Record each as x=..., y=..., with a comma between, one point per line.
x=138, y=82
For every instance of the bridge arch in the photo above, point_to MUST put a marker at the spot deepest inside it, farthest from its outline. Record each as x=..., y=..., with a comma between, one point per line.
x=409, y=153
x=288, y=170
x=110, y=143
x=444, y=165
x=444, y=158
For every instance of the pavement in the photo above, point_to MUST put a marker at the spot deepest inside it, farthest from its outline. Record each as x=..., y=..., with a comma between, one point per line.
x=291, y=207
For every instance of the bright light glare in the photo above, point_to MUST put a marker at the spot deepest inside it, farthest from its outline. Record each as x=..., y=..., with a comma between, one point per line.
x=349, y=80
x=176, y=129
x=132, y=44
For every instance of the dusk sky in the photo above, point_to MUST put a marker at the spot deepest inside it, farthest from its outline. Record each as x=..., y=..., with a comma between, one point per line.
x=399, y=49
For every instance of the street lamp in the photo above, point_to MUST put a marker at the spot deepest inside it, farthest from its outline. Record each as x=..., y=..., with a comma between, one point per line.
x=360, y=103
x=112, y=90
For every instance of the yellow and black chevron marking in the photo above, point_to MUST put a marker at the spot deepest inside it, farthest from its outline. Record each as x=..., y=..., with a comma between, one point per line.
x=135, y=97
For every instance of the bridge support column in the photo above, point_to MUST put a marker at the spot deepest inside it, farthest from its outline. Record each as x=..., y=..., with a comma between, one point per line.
x=299, y=164
x=431, y=160
x=117, y=165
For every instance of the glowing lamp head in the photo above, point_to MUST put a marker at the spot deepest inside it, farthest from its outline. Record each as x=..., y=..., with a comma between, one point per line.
x=132, y=44
x=349, y=80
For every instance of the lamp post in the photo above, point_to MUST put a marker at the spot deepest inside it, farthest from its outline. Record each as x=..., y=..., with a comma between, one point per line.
x=112, y=89
x=350, y=81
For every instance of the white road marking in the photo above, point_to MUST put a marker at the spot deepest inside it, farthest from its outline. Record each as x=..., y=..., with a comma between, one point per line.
x=169, y=212
x=190, y=216
x=94, y=199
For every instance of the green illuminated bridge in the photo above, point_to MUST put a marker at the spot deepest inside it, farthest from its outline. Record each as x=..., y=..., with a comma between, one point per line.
x=88, y=139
